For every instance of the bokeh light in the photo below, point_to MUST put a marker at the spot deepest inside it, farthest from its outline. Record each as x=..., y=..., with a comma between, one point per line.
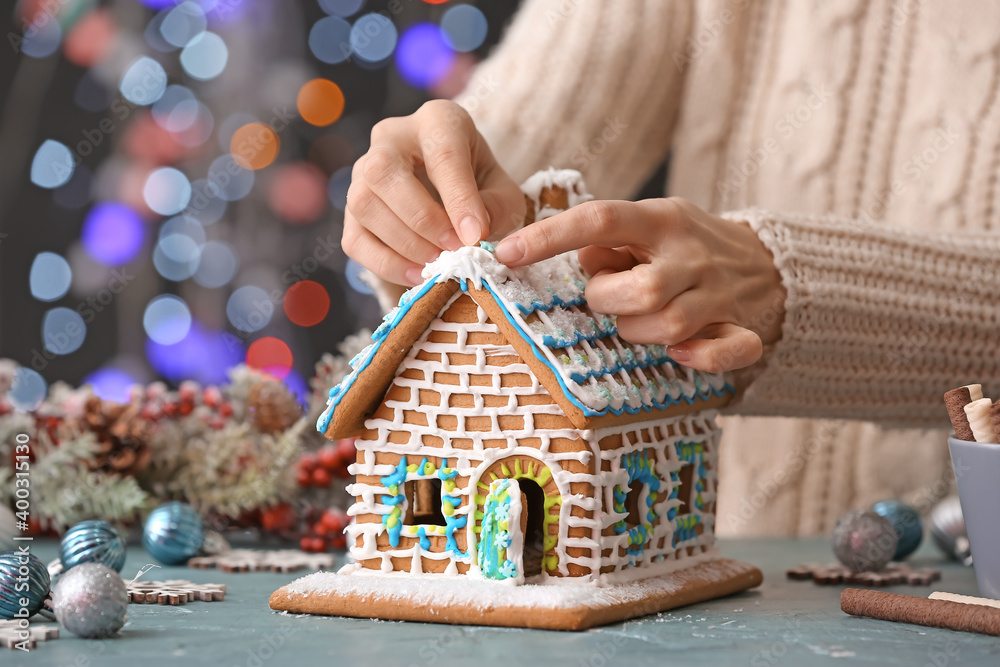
x=206, y=204
x=167, y=191
x=167, y=319
x=341, y=7
x=203, y=355
x=306, y=303
x=176, y=110
x=180, y=246
x=298, y=386
x=330, y=40
x=353, y=271
x=270, y=355
x=28, y=390
x=340, y=183
x=254, y=146
x=218, y=265
x=183, y=23
x=320, y=102
x=297, y=193
x=373, y=38
x=113, y=233
x=50, y=276
x=144, y=82
x=199, y=131
x=464, y=27
x=110, y=383
x=228, y=180
x=423, y=57
x=228, y=127
x=63, y=330
x=52, y=165
x=249, y=309
x=205, y=56
x=42, y=37
x=183, y=225
x=90, y=40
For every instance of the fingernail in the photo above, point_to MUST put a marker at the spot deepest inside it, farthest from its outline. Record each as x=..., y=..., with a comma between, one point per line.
x=470, y=231
x=450, y=241
x=679, y=353
x=413, y=275
x=510, y=250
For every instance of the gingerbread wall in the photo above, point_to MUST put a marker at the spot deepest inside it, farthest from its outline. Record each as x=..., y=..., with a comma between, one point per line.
x=466, y=402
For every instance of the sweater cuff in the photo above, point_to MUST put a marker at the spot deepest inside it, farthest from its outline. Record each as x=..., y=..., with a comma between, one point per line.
x=878, y=323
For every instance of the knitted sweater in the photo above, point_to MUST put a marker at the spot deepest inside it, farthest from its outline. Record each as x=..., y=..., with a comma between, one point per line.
x=861, y=140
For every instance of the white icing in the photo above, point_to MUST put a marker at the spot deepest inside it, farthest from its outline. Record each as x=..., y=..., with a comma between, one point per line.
x=569, y=180
x=470, y=263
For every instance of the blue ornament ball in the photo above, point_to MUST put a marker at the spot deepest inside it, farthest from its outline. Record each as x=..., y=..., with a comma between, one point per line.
x=38, y=583
x=92, y=542
x=173, y=533
x=906, y=522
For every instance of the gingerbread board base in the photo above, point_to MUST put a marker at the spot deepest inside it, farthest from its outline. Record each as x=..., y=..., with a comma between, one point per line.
x=465, y=601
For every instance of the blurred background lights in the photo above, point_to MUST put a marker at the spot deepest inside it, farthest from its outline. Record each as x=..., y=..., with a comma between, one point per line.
x=228, y=180
x=340, y=182
x=111, y=384
x=176, y=245
x=254, y=146
x=341, y=7
x=373, y=38
x=89, y=41
x=50, y=276
x=353, y=272
x=228, y=127
x=249, y=309
x=42, y=37
x=330, y=40
x=144, y=81
x=206, y=204
x=297, y=193
x=183, y=23
x=158, y=4
x=203, y=355
x=167, y=319
x=77, y=191
x=183, y=225
x=320, y=102
x=423, y=57
x=199, y=131
x=464, y=27
x=306, y=303
x=63, y=331
x=113, y=233
x=176, y=110
x=271, y=355
x=28, y=390
x=167, y=191
x=52, y=165
x=205, y=56
x=218, y=265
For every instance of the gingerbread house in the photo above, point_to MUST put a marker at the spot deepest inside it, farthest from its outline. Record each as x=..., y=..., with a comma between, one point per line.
x=506, y=432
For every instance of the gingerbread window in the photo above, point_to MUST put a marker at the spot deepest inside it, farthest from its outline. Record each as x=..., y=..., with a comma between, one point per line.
x=423, y=497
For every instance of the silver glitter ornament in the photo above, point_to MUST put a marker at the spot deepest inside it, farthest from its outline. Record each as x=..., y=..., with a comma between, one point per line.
x=92, y=542
x=948, y=530
x=864, y=541
x=90, y=601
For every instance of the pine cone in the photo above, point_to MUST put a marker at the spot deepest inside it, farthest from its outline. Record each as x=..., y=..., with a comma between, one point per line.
x=271, y=406
x=122, y=435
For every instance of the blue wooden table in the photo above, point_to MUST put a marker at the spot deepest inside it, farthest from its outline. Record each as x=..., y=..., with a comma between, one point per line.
x=782, y=623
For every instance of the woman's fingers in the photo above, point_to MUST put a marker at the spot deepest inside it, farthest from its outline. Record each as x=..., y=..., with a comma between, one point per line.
x=680, y=319
x=719, y=348
x=595, y=259
x=368, y=251
x=641, y=290
x=375, y=216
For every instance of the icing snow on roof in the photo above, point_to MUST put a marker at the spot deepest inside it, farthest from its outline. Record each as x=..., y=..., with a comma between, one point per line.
x=598, y=371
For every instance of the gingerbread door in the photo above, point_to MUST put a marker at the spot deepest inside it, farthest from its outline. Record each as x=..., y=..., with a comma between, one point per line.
x=500, y=552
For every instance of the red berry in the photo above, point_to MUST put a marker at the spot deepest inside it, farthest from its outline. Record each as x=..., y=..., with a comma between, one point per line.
x=304, y=543
x=188, y=390
x=348, y=452
x=226, y=409
x=307, y=462
x=212, y=396
x=186, y=408
x=334, y=520
x=278, y=518
x=317, y=544
x=339, y=542
x=304, y=478
x=329, y=458
x=321, y=477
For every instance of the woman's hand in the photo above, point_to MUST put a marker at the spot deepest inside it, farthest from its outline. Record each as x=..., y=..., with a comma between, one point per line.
x=428, y=183
x=702, y=285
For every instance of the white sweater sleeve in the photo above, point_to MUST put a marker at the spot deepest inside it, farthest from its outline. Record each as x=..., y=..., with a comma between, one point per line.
x=879, y=322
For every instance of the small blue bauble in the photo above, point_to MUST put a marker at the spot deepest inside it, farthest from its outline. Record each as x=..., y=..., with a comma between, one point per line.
x=173, y=533
x=92, y=542
x=36, y=578
x=906, y=522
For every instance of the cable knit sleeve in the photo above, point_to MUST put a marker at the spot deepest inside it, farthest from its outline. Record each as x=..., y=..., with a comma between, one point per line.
x=879, y=322
x=584, y=84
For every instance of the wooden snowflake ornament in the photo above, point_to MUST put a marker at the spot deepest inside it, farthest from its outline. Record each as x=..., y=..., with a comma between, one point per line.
x=11, y=635
x=174, y=592
x=251, y=560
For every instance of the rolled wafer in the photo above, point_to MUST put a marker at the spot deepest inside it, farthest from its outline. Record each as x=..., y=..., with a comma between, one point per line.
x=921, y=611
x=964, y=599
x=995, y=420
x=978, y=413
x=956, y=400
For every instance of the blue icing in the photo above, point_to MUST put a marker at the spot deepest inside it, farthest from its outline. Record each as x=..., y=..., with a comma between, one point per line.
x=556, y=301
x=425, y=542
x=393, y=520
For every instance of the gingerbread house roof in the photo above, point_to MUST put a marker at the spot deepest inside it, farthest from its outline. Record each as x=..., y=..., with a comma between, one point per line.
x=595, y=376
